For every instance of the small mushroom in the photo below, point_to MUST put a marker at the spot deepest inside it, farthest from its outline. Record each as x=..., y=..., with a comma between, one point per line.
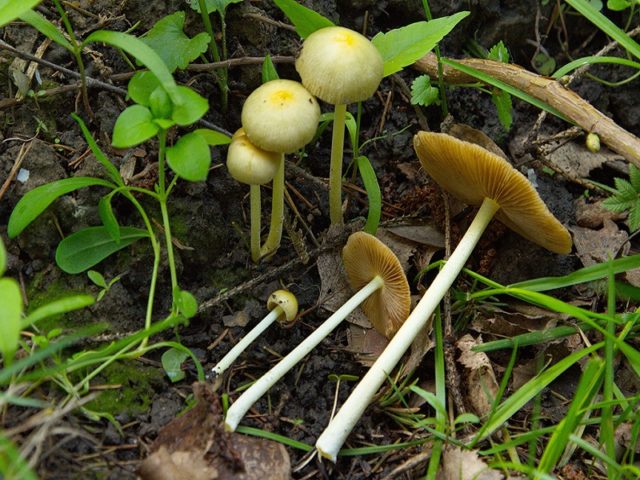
x=383, y=293
x=284, y=308
x=253, y=166
x=339, y=66
x=478, y=177
x=279, y=116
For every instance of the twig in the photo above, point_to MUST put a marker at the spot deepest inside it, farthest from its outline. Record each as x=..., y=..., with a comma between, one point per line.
x=24, y=150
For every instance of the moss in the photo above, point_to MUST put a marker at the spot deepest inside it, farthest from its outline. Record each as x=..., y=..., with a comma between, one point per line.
x=44, y=289
x=137, y=386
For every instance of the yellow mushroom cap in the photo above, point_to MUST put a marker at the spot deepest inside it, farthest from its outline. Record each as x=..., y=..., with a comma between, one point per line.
x=472, y=173
x=340, y=66
x=285, y=300
x=280, y=116
x=250, y=164
x=364, y=257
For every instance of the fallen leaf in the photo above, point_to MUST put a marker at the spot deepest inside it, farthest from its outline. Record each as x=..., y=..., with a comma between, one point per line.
x=365, y=343
x=593, y=215
x=576, y=158
x=480, y=381
x=458, y=464
x=596, y=246
x=422, y=234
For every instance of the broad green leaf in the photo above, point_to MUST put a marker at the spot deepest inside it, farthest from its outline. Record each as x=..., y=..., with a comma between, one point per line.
x=160, y=104
x=3, y=258
x=186, y=303
x=618, y=5
x=190, y=108
x=213, y=5
x=422, y=93
x=502, y=101
x=97, y=278
x=11, y=301
x=403, y=46
x=143, y=53
x=499, y=53
x=47, y=28
x=86, y=248
x=108, y=218
x=141, y=85
x=370, y=182
x=12, y=9
x=172, y=361
x=212, y=137
x=190, y=157
x=63, y=305
x=112, y=171
x=134, y=125
x=37, y=200
x=269, y=71
x=304, y=19
x=169, y=41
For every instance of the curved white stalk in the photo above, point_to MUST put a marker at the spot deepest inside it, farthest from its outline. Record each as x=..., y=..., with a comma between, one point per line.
x=242, y=345
x=334, y=436
x=264, y=383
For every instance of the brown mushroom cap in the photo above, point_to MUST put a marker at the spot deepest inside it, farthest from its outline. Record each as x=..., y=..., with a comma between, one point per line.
x=364, y=257
x=472, y=173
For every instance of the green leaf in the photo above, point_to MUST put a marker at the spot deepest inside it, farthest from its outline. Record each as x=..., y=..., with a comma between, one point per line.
x=160, y=104
x=88, y=247
x=212, y=137
x=143, y=53
x=269, y=71
x=169, y=41
x=186, y=303
x=190, y=108
x=615, y=5
x=403, y=46
x=304, y=19
x=499, y=53
x=190, y=157
x=133, y=126
x=108, y=218
x=11, y=301
x=370, y=182
x=10, y=9
x=47, y=28
x=422, y=93
x=141, y=85
x=97, y=278
x=213, y=5
x=634, y=177
x=172, y=361
x=62, y=305
x=625, y=189
x=112, y=171
x=543, y=63
x=502, y=101
x=3, y=258
x=634, y=216
x=37, y=200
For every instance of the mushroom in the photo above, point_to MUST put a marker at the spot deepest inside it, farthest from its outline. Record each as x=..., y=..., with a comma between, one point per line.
x=475, y=176
x=284, y=308
x=383, y=293
x=279, y=116
x=339, y=66
x=253, y=166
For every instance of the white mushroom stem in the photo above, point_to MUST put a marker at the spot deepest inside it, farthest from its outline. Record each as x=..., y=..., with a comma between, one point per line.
x=334, y=436
x=264, y=383
x=256, y=211
x=277, y=213
x=248, y=339
x=335, y=167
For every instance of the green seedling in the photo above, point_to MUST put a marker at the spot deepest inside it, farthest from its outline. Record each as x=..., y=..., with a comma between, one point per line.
x=98, y=279
x=626, y=197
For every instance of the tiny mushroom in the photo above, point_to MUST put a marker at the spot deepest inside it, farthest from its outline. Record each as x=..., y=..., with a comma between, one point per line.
x=339, y=66
x=477, y=177
x=284, y=308
x=279, y=116
x=253, y=166
x=372, y=267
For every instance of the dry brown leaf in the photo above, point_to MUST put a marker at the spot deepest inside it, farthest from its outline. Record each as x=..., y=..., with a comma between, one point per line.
x=238, y=319
x=420, y=346
x=523, y=372
x=480, y=381
x=422, y=234
x=624, y=437
x=596, y=246
x=458, y=464
x=576, y=158
x=365, y=343
x=593, y=215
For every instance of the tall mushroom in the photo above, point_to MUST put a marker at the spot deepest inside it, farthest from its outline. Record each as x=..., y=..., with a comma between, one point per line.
x=284, y=308
x=279, y=116
x=477, y=177
x=339, y=66
x=253, y=166
x=383, y=291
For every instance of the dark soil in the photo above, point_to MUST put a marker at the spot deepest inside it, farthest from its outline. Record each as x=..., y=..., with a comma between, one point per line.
x=210, y=219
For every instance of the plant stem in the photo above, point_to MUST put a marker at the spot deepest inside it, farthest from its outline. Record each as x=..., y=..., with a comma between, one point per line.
x=221, y=79
x=264, y=383
x=277, y=213
x=339, y=428
x=436, y=49
x=335, y=167
x=162, y=194
x=255, y=212
x=242, y=345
